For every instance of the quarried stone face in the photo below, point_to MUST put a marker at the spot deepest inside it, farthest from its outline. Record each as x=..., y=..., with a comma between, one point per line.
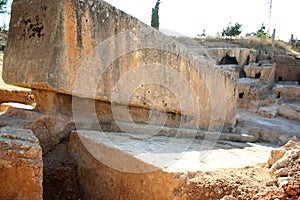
x=92, y=50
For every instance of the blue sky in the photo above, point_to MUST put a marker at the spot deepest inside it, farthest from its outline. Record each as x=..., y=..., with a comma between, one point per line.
x=190, y=17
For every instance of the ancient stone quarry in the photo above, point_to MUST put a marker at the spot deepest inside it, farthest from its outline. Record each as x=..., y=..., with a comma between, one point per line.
x=97, y=105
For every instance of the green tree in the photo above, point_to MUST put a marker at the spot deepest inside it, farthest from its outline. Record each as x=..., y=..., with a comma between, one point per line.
x=155, y=15
x=3, y=6
x=262, y=32
x=232, y=30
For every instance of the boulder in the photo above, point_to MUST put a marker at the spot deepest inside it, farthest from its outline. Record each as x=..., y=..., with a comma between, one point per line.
x=21, y=165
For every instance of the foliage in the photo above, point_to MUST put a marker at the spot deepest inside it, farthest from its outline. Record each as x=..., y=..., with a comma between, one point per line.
x=155, y=15
x=232, y=30
x=3, y=6
x=261, y=32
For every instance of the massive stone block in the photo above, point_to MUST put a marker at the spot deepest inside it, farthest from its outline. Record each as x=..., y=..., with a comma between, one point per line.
x=21, y=166
x=92, y=50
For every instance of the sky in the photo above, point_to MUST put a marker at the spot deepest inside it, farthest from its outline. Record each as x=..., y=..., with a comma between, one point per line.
x=191, y=17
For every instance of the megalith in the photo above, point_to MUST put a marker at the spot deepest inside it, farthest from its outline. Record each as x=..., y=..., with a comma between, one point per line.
x=89, y=58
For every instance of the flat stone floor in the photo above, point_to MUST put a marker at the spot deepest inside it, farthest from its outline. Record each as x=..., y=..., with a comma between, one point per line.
x=181, y=154
x=277, y=130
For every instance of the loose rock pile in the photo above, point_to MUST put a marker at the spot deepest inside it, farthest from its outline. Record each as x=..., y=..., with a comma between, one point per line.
x=285, y=170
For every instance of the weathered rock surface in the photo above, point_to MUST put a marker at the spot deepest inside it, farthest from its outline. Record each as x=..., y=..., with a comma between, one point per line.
x=289, y=110
x=103, y=182
x=17, y=96
x=21, y=166
x=284, y=163
x=139, y=166
x=9, y=93
x=93, y=50
x=287, y=92
x=264, y=72
x=287, y=69
x=243, y=56
x=268, y=111
x=250, y=91
x=276, y=130
x=49, y=129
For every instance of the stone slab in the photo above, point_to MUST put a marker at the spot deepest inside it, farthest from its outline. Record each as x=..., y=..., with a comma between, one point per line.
x=141, y=166
x=21, y=166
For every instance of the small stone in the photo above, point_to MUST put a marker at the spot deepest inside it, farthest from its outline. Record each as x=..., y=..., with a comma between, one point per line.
x=270, y=183
x=281, y=172
x=276, y=154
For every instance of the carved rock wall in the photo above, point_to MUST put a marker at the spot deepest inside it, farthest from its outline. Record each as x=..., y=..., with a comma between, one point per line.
x=287, y=68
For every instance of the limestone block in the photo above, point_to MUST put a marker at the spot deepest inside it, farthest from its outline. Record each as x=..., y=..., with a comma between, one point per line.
x=106, y=180
x=48, y=42
x=21, y=166
x=289, y=110
x=250, y=91
x=268, y=111
x=144, y=166
x=92, y=50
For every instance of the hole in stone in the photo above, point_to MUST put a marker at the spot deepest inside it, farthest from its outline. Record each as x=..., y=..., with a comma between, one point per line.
x=227, y=60
x=280, y=78
x=278, y=95
x=242, y=74
x=248, y=60
x=149, y=91
x=257, y=75
x=241, y=95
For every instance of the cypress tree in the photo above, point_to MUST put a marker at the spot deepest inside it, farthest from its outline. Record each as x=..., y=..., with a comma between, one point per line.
x=155, y=15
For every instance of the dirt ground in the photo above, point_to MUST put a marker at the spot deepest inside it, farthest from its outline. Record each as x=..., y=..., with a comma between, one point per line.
x=248, y=183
